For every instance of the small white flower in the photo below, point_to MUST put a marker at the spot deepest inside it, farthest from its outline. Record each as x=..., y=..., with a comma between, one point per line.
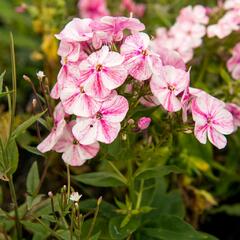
x=40, y=74
x=75, y=197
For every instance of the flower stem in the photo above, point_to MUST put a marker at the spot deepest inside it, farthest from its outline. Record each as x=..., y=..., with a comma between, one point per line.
x=68, y=182
x=14, y=199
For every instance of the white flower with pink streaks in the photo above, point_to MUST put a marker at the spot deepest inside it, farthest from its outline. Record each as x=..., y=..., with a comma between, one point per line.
x=59, y=124
x=74, y=153
x=78, y=30
x=113, y=28
x=93, y=9
x=212, y=120
x=167, y=84
x=105, y=125
x=140, y=60
x=102, y=72
x=76, y=101
x=233, y=64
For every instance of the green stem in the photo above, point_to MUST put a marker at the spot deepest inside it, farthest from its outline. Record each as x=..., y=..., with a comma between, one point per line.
x=71, y=226
x=94, y=218
x=68, y=182
x=130, y=179
x=14, y=199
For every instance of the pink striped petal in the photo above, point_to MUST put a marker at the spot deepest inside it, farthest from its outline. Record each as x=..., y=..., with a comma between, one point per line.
x=216, y=138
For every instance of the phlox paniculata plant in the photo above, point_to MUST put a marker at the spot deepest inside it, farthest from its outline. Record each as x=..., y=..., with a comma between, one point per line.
x=101, y=57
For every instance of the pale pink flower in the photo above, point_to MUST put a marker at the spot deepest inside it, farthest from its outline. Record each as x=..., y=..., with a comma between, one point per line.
x=74, y=153
x=167, y=84
x=144, y=122
x=140, y=60
x=235, y=111
x=114, y=26
x=225, y=26
x=105, y=125
x=137, y=9
x=102, y=72
x=93, y=9
x=212, y=120
x=231, y=4
x=187, y=34
x=78, y=30
x=196, y=14
x=58, y=127
x=233, y=63
x=170, y=58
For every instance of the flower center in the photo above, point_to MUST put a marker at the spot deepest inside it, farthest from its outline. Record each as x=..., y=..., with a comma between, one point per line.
x=75, y=141
x=81, y=89
x=171, y=88
x=209, y=119
x=99, y=67
x=144, y=52
x=99, y=115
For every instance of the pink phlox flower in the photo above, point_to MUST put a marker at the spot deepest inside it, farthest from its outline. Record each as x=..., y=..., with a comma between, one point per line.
x=233, y=64
x=76, y=101
x=226, y=25
x=78, y=30
x=231, y=4
x=102, y=72
x=212, y=120
x=167, y=85
x=196, y=14
x=74, y=153
x=234, y=109
x=137, y=9
x=170, y=58
x=105, y=125
x=140, y=60
x=58, y=127
x=93, y=9
x=144, y=122
x=113, y=27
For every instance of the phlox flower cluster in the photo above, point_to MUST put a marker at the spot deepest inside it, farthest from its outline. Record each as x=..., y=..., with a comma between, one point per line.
x=96, y=9
x=97, y=57
x=186, y=34
x=228, y=23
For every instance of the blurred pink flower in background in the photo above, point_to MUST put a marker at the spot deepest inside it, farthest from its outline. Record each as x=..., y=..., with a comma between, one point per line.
x=235, y=111
x=212, y=120
x=144, y=122
x=233, y=64
x=93, y=9
x=186, y=34
x=137, y=9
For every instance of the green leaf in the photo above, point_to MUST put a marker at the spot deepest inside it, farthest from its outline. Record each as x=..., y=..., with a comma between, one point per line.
x=95, y=236
x=100, y=179
x=36, y=228
x=174, y=228
x=20, y=129
x=12, y=156
x=3, y=94
x=33, y=179
x=233, y=210
x=118, y=232
x=1, y=81
x=156, y=172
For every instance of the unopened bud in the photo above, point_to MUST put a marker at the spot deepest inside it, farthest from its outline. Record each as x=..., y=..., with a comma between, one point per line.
x=131, y=121
x=99, y=201
x=124, y=136
x=50, y=194
x=34, y=103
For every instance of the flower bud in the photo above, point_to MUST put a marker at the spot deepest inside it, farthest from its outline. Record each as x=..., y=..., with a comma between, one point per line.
x=144, y=122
